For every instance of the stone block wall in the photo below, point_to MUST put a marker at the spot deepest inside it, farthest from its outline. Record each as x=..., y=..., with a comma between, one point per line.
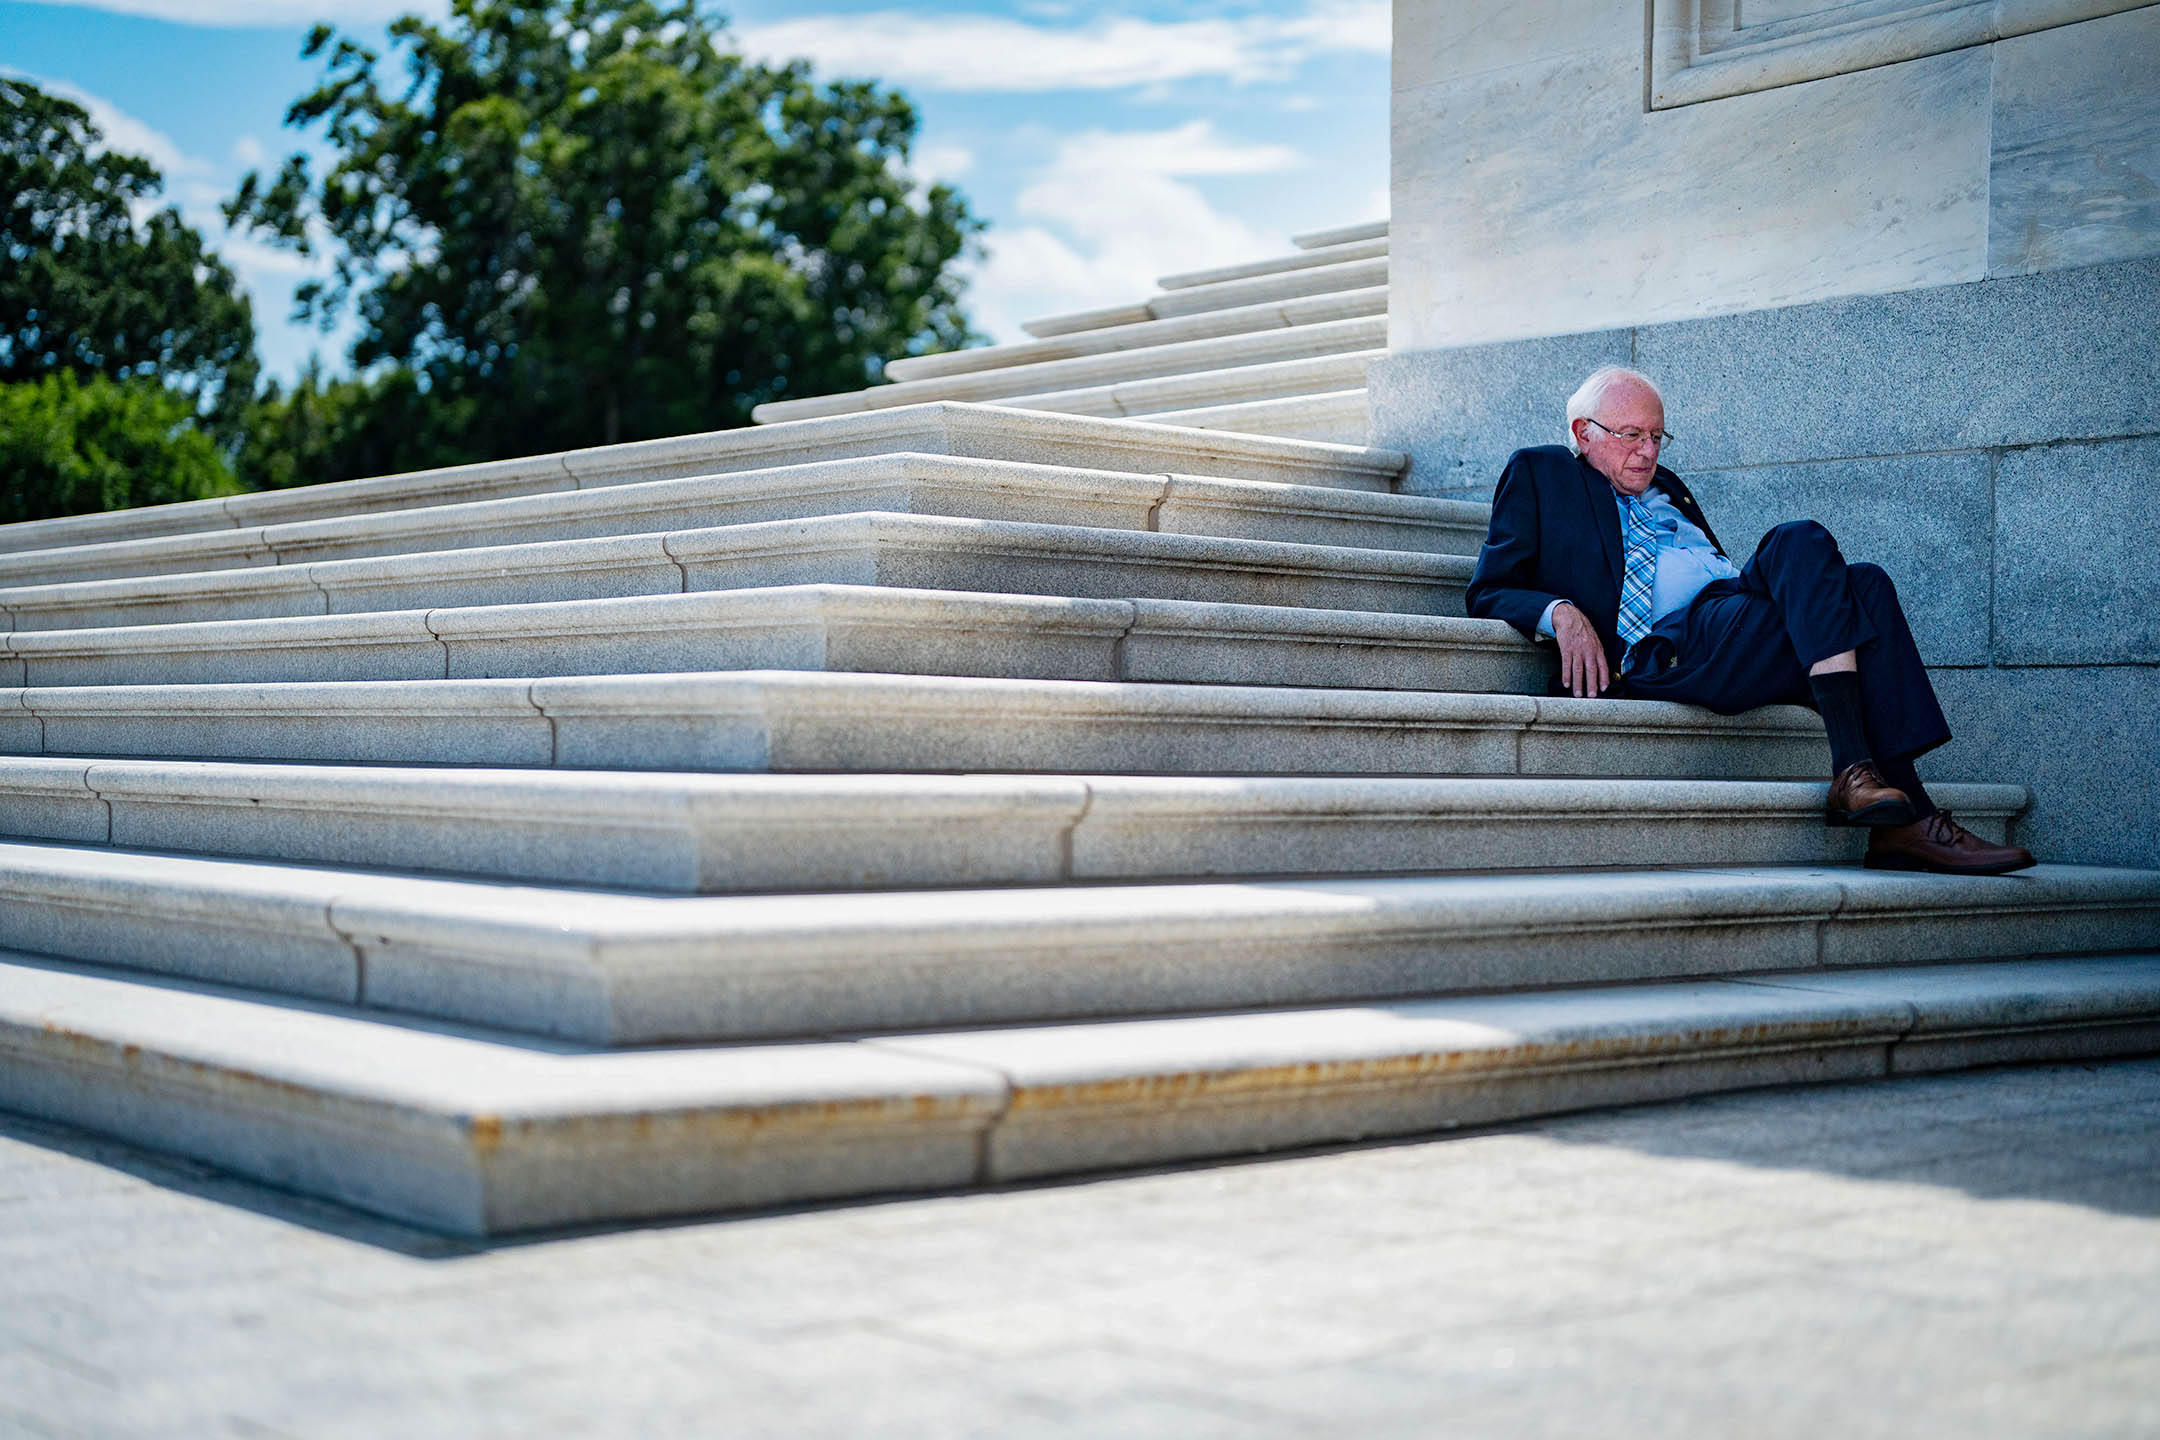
x=1995, y=445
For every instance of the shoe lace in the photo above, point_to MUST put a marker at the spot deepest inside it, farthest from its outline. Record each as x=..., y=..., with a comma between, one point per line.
x=1943, y=829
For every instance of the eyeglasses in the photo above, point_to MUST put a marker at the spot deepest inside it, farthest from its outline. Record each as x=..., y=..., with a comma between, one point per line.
x=1632, y=437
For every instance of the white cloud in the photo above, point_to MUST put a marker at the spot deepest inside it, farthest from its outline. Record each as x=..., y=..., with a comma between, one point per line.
x=959, y=51
x=1359, y=25
x=941, y=162
x=260, y=264
x=123, y=132
x=282, y=14
x=1108, y=215
x=1191, y=149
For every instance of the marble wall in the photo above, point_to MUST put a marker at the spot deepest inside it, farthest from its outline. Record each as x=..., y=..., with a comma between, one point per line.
x=2074, y=168
x=1709, y=49
x=1536, y=191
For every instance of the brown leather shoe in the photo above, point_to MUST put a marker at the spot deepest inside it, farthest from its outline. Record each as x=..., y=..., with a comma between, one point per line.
x=1859, y=797
x=1941, y=846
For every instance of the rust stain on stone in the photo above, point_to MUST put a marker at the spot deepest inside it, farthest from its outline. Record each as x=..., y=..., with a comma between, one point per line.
x=485, y=1132
x=1597, y=1052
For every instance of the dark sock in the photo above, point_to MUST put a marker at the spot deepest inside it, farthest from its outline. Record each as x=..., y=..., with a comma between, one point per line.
x=1837, y=696
x=1900, y=772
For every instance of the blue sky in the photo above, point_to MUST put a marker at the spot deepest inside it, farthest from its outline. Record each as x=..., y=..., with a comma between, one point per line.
x=1105, y=143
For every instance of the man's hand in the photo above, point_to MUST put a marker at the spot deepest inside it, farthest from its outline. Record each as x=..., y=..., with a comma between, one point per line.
x=1583, y=667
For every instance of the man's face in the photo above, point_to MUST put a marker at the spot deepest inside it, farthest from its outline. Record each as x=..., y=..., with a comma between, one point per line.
x=1627, y=464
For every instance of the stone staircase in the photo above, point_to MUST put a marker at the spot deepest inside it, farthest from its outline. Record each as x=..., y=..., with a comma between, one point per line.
x=917, y=795
x=1272, y=347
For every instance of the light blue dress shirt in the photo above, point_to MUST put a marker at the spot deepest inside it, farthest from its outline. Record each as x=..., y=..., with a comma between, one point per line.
x=1686, y=561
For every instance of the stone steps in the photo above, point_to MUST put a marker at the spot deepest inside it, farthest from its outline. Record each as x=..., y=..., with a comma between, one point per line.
x=721, y=834
x=858, y=548
x=975, y=736
x=503, y=1135
x=1207, y=325
x=1154, y=362
x=904, y=483
x=947, y=428
x=1304, y=258
x=782, y=721
x=798, y=627
x=1223, y=295
x=608, y=967
x=1238, y=347
x=1243, y=383
x=1341, y=416
x=1340, y=235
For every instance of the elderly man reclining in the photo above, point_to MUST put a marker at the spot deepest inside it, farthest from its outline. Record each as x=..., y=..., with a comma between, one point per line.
x=1599, y=548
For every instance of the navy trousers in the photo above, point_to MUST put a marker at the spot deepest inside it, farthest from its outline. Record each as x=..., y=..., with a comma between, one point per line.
x=1749, y=642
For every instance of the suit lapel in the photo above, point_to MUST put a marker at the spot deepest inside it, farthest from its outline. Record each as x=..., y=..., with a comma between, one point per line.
x=1604, y=518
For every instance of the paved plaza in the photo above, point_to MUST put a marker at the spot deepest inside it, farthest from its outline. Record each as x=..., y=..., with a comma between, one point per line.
x=1969, y=1255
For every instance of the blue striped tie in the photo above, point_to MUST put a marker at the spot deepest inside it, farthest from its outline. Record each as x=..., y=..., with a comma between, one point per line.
x=1635, y=586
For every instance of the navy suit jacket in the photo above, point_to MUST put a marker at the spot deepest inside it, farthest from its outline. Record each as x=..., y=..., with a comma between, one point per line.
x=1555, y=535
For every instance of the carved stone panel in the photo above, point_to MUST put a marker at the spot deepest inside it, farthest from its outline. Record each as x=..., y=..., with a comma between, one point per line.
x=1710, y=49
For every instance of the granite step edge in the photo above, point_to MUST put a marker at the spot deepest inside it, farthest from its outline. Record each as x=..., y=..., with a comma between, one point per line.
x=1143, y=399
x=1114, y=367
x=903, y=482
x=1303, y=257
x=1268, y=315
x=850, y=721
x=470, y=1132
x=1341, y=276
x=813, y=627
x=715, y=834
x=862, y=547
x=621, y=967
x=945, y=427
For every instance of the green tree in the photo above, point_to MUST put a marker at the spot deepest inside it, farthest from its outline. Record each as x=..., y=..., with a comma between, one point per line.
x=583, y=221
x=84, y=288
x=69, y=446
x=342, y=429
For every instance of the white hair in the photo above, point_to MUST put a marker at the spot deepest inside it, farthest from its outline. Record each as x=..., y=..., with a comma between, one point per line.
x=1590, y=395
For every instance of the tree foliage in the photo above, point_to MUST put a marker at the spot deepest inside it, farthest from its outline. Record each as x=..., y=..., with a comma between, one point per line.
x=70, y=446
x=343, y=429
x=582, y=221
x=87, y=290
